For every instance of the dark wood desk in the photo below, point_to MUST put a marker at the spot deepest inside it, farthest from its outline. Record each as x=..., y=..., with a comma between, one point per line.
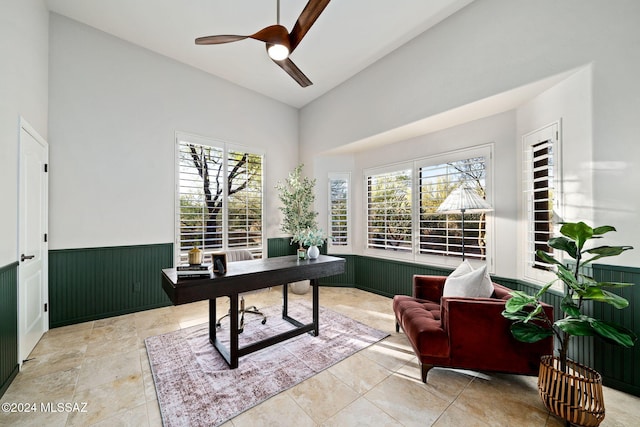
x=245, y=276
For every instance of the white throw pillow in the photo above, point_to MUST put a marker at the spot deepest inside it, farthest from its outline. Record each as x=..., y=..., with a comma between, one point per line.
x=464, y=281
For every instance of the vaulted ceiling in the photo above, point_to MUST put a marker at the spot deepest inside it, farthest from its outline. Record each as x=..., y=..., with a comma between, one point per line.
x=349, y=35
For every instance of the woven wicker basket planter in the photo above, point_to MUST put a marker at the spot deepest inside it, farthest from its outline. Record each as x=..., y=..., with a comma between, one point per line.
x=575, y=396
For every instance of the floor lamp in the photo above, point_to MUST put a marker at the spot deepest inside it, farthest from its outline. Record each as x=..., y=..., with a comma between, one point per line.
x=464, y=199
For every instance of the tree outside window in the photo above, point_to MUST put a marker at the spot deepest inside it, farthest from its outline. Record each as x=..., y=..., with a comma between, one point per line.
x=389, y=211
x=441, y=234
x=219, y=198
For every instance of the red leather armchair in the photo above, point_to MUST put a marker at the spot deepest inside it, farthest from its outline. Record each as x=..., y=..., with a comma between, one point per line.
x=468, y=333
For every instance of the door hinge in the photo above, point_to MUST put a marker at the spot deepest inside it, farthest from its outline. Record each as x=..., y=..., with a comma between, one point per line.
x=46, y=307
x=45, y=237
x=46, y=167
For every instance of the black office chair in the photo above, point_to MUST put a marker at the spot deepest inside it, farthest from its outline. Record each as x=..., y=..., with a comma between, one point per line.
x=242, y=255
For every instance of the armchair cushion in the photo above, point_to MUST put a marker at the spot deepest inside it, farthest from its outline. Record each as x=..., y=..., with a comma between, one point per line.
x=467, y=282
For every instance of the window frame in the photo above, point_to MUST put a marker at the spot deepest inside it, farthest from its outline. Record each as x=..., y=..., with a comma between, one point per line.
x=346, y=248
x=389, y=169
x=483, y=150
x=552, y=133
x=226, y=148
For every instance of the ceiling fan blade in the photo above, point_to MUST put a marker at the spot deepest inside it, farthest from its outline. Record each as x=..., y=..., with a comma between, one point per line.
x=294, y=72
x=219, y=39
x=276, y=34
x=309, y=15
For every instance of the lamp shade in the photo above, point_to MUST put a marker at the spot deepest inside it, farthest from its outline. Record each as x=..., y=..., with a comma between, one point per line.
x=464, y=199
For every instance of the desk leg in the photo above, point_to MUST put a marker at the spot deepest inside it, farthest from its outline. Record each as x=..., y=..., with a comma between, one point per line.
x=233, y=331
x=212, y=320
x=285, y=300
x=316, y=307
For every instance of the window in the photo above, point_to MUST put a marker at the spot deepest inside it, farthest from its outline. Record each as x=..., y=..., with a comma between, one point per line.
x=542, y=198
x=441, y=234
x=402, y=203
x=339, y=212
x=389, y=211
x=219, y=197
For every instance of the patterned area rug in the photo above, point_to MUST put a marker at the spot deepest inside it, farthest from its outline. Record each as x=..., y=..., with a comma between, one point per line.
x=195, y=387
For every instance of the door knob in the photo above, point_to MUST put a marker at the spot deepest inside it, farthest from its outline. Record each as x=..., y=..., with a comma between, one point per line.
x=24, y=257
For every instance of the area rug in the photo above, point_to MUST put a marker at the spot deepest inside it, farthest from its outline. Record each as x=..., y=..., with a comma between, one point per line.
x=195, y=386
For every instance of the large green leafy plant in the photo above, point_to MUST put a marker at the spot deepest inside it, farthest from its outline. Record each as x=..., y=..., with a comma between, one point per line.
x=297, y=197
x=531, y=323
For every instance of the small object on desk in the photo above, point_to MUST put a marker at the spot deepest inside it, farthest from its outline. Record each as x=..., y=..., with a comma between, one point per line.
x=219, y=262
x=186, y=271
x=194, y=267
x=220, y=266
x=195, y=256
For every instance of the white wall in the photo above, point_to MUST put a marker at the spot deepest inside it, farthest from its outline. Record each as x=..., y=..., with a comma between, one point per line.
x=114, y=111
x=493, y=46
x=569, y=102
x=23, y=92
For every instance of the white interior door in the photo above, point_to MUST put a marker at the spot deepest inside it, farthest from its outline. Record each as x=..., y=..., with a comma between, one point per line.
x=33, y=318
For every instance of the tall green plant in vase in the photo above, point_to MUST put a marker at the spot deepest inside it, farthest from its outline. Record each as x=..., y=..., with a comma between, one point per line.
x=297, y=197
x=531, y=323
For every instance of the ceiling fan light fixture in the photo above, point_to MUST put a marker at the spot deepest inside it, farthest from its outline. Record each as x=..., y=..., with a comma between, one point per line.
x=279, y=42
x=278, y=52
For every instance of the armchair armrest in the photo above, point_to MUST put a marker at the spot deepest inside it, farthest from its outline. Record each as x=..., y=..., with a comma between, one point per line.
x=428, y=287
x=480, y=335
x=472, y=316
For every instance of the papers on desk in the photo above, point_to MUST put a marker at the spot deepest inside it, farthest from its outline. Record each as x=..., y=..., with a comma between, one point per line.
x=185, y=271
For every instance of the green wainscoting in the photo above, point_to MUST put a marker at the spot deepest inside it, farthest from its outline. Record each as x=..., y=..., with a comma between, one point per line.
x=8, y=325
x=280, y=246
x=389, y=277
x=346, y=279
x=95, y=283
x=619, y=366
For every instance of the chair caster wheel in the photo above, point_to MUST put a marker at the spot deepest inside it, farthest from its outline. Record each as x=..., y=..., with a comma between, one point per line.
x=264, y=321
x=218, y=325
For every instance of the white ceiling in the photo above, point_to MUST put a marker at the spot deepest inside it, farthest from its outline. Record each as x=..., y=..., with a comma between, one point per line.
x=349, y=35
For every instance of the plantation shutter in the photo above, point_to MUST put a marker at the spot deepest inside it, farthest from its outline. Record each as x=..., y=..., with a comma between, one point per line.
x=339, y=210
x=244, y=200
x=389, y=211
x=541, y=206
x=199, y=207
x=441, y=234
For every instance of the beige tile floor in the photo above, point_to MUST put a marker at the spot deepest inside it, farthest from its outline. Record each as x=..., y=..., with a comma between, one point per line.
x=104, y=363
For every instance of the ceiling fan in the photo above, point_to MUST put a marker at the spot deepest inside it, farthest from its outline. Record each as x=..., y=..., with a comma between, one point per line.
x=279, y=42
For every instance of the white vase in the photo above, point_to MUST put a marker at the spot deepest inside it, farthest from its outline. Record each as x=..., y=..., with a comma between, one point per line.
x=313, y=252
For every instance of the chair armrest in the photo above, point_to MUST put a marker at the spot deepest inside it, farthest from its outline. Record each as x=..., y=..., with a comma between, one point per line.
x=481, y=315
x=428, y=287
x=477, y=323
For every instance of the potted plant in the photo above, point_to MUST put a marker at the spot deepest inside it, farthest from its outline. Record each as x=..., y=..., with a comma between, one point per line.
x=311, y=238
x=297, y=197
x=569, y=389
